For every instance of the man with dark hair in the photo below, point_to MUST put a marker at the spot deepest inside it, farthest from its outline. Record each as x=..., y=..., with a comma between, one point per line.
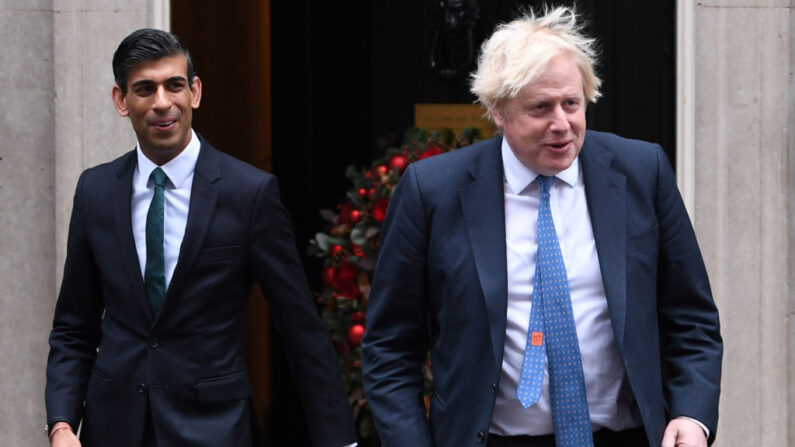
x=144, y=45
x=164, y=246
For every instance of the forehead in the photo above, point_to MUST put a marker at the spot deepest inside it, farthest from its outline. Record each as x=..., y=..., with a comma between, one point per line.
x=159, y=70
x=560, y=76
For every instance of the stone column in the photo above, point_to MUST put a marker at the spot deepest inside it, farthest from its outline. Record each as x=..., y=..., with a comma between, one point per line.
x=27, y=210
x=740, y=189
x=56, y=119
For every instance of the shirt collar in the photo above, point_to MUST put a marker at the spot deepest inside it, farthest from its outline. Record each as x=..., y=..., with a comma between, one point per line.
x=519, y=176
x=179, y=169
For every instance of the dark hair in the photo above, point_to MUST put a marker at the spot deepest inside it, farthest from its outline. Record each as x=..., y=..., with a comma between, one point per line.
x=144, y=45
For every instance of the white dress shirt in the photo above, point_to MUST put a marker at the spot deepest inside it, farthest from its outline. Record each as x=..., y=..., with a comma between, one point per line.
x=610, y=400
x=176, y=197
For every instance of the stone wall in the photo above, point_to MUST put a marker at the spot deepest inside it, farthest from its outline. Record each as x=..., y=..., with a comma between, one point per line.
x=56, y=119
x=27, y=210
x=741, y=194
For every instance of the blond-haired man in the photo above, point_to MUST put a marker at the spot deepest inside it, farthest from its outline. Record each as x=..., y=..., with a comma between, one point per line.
x=552, y=272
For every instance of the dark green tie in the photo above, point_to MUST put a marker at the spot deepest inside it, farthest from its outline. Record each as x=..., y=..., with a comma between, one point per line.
x=155, y=273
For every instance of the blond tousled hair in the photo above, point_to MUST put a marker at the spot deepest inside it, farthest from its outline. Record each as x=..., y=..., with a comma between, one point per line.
x=519, y=51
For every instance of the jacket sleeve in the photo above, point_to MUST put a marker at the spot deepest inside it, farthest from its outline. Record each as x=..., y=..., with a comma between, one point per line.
x=76, y=330
x=691, y=345
x=396, y=339
x=312, y=359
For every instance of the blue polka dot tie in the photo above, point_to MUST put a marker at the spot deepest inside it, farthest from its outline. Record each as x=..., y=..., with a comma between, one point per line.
x=552, y=330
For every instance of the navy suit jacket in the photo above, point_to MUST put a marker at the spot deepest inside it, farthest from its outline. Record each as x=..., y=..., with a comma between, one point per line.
x=111, y=358
x=441, y=284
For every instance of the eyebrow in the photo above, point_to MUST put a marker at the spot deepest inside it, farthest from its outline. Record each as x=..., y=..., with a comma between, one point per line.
x=544, y=97
x=149, y=81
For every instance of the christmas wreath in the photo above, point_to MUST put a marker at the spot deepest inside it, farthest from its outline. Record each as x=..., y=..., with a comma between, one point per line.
x=350, y=249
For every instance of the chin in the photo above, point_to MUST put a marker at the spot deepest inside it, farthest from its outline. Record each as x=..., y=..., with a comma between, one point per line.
x=167, y=144
x=553, y=167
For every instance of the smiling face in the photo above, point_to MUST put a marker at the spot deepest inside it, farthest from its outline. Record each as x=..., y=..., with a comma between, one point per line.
x=160, y=105
x=545, y=123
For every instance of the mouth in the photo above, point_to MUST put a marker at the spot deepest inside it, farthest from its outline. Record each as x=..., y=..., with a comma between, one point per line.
x=559, y=146
x=164, y=125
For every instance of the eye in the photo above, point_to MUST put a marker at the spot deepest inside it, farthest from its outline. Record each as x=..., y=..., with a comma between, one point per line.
x=176, y=86
x=143, y=89
x=571, y=104
x=538, y=107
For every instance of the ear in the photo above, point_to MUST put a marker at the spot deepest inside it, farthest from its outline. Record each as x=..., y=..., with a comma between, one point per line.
x=119, y=101
x=498, y=116
x=196, y=90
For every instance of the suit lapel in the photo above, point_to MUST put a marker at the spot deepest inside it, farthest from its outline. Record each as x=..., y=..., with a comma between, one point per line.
x=122, y=196
x=203, y=198
x=483, y=206
x=605, y=191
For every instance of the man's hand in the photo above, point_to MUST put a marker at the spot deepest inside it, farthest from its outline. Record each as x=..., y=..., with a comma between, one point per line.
x=683, y=432
x=64, y=437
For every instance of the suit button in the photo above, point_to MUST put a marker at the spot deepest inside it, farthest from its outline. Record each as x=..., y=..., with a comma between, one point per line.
x=481, y=437
x=153, y=343
x=493, y=387
x=141, y=388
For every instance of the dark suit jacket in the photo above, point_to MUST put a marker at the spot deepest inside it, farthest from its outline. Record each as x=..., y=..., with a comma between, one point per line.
x=110, y=357
x=441, y=282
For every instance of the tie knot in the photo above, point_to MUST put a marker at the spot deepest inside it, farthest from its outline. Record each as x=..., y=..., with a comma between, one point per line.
x=546, y=182
x=159, y=177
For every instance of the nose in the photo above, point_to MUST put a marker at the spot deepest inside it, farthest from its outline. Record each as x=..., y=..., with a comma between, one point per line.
x=162, y=100
x=560, y=120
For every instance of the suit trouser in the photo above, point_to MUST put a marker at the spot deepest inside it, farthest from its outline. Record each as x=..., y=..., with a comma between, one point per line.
x=633, y=437
x=149, y=439
x=149, y=430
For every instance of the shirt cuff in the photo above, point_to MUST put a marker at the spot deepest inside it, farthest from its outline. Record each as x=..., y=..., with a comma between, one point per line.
x=703, y=427
x=351, y=445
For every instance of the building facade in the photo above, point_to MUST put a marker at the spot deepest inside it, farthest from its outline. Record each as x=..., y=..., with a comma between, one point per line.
x=735, y=168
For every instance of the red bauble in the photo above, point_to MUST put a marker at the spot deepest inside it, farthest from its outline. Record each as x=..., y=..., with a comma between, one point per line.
x=329, y=275
x=379, y=209
x=336, y=250
x=357, y=317
x=357, y=250
x=398, y=162
x=346, y=280
x=347, y=271
x=381, y=169
x=430, y=152
x=355, y=216
x=349, y=289
x=355, y=334
x=362, y=192
x=371, y=194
